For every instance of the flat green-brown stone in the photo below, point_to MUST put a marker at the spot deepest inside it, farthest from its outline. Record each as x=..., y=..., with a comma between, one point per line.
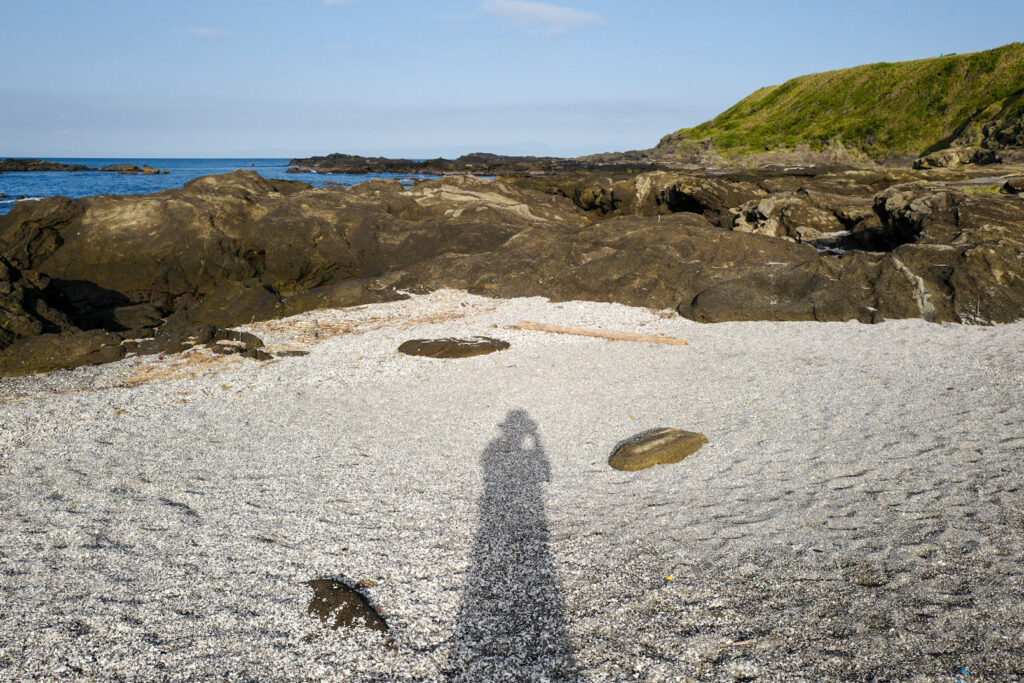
x=659, y=447
x=452, y=348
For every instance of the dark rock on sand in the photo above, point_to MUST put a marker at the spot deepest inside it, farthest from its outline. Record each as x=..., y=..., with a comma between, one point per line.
x=657, y=447
x=47, y=352
x=1013, y=186
x=452, y=348
x=170, y=339
x=345, y=604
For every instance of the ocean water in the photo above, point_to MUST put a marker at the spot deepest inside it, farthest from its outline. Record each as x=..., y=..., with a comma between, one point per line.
x=87, y=183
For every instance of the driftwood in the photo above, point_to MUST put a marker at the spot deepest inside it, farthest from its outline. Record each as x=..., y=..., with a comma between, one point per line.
x=602, y=334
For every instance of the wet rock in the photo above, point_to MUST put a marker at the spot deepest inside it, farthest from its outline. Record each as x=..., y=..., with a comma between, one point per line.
x=345, y=604
x=290, y=353
x=452, y=348
x=1013, y=186
x=48, y=352
x=658, y=447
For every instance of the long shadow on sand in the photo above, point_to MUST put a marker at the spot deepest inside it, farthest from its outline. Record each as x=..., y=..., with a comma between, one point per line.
x=512, y=623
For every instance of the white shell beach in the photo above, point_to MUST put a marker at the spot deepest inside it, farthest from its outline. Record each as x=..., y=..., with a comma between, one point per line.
x=857, y=511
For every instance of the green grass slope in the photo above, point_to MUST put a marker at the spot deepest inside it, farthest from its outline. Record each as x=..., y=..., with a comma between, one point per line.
x=878, y=109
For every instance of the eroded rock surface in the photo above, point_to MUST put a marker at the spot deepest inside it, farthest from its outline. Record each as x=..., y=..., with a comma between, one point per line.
x=755, y=244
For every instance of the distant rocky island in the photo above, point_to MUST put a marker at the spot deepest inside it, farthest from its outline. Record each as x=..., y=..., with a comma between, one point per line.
x=482, y=164
x=36, y=165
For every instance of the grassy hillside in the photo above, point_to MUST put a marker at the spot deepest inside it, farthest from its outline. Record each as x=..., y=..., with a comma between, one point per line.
x=879, y=109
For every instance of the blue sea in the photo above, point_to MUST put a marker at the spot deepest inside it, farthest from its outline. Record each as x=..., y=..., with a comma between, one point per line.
x=87, y=183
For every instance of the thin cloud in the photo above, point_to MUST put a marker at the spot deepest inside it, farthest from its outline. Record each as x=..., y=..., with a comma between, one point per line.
x=538, y=16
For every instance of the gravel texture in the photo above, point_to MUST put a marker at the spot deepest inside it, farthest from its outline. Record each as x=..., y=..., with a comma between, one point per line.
x=858, y=513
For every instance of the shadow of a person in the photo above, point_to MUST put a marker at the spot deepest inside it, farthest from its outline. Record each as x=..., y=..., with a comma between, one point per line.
x=512, y=622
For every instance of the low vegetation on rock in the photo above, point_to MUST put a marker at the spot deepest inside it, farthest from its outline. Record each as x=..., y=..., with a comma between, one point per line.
x=878, y=110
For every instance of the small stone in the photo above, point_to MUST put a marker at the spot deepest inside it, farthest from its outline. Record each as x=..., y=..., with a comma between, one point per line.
x=452, y=348
x=658, y=447
x=347, y=605
x=1013, y=186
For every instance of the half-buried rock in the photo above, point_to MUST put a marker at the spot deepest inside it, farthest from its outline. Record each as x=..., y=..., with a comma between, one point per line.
x=452, y=348
x=657, y=447
x=347, y=605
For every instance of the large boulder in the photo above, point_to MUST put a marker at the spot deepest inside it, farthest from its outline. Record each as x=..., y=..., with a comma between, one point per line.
x=650, y=261
x=189, y=242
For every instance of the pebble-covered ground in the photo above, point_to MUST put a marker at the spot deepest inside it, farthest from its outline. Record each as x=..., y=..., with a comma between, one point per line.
x=858, y=512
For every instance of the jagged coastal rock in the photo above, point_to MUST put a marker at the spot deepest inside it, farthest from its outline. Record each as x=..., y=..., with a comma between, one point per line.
x=757, y=245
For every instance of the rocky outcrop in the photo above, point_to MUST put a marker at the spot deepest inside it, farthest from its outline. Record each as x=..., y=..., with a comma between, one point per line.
x=957, y=156
x=24, y=311
x=752, y=245
x=953, y=256
x=483, y=164
x=35, y=165
x=132, y=169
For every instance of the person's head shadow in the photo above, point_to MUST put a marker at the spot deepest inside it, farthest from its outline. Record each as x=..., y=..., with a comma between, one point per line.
x=512, y=622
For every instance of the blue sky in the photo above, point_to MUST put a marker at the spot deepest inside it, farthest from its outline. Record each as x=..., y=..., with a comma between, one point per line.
x=423, y=78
